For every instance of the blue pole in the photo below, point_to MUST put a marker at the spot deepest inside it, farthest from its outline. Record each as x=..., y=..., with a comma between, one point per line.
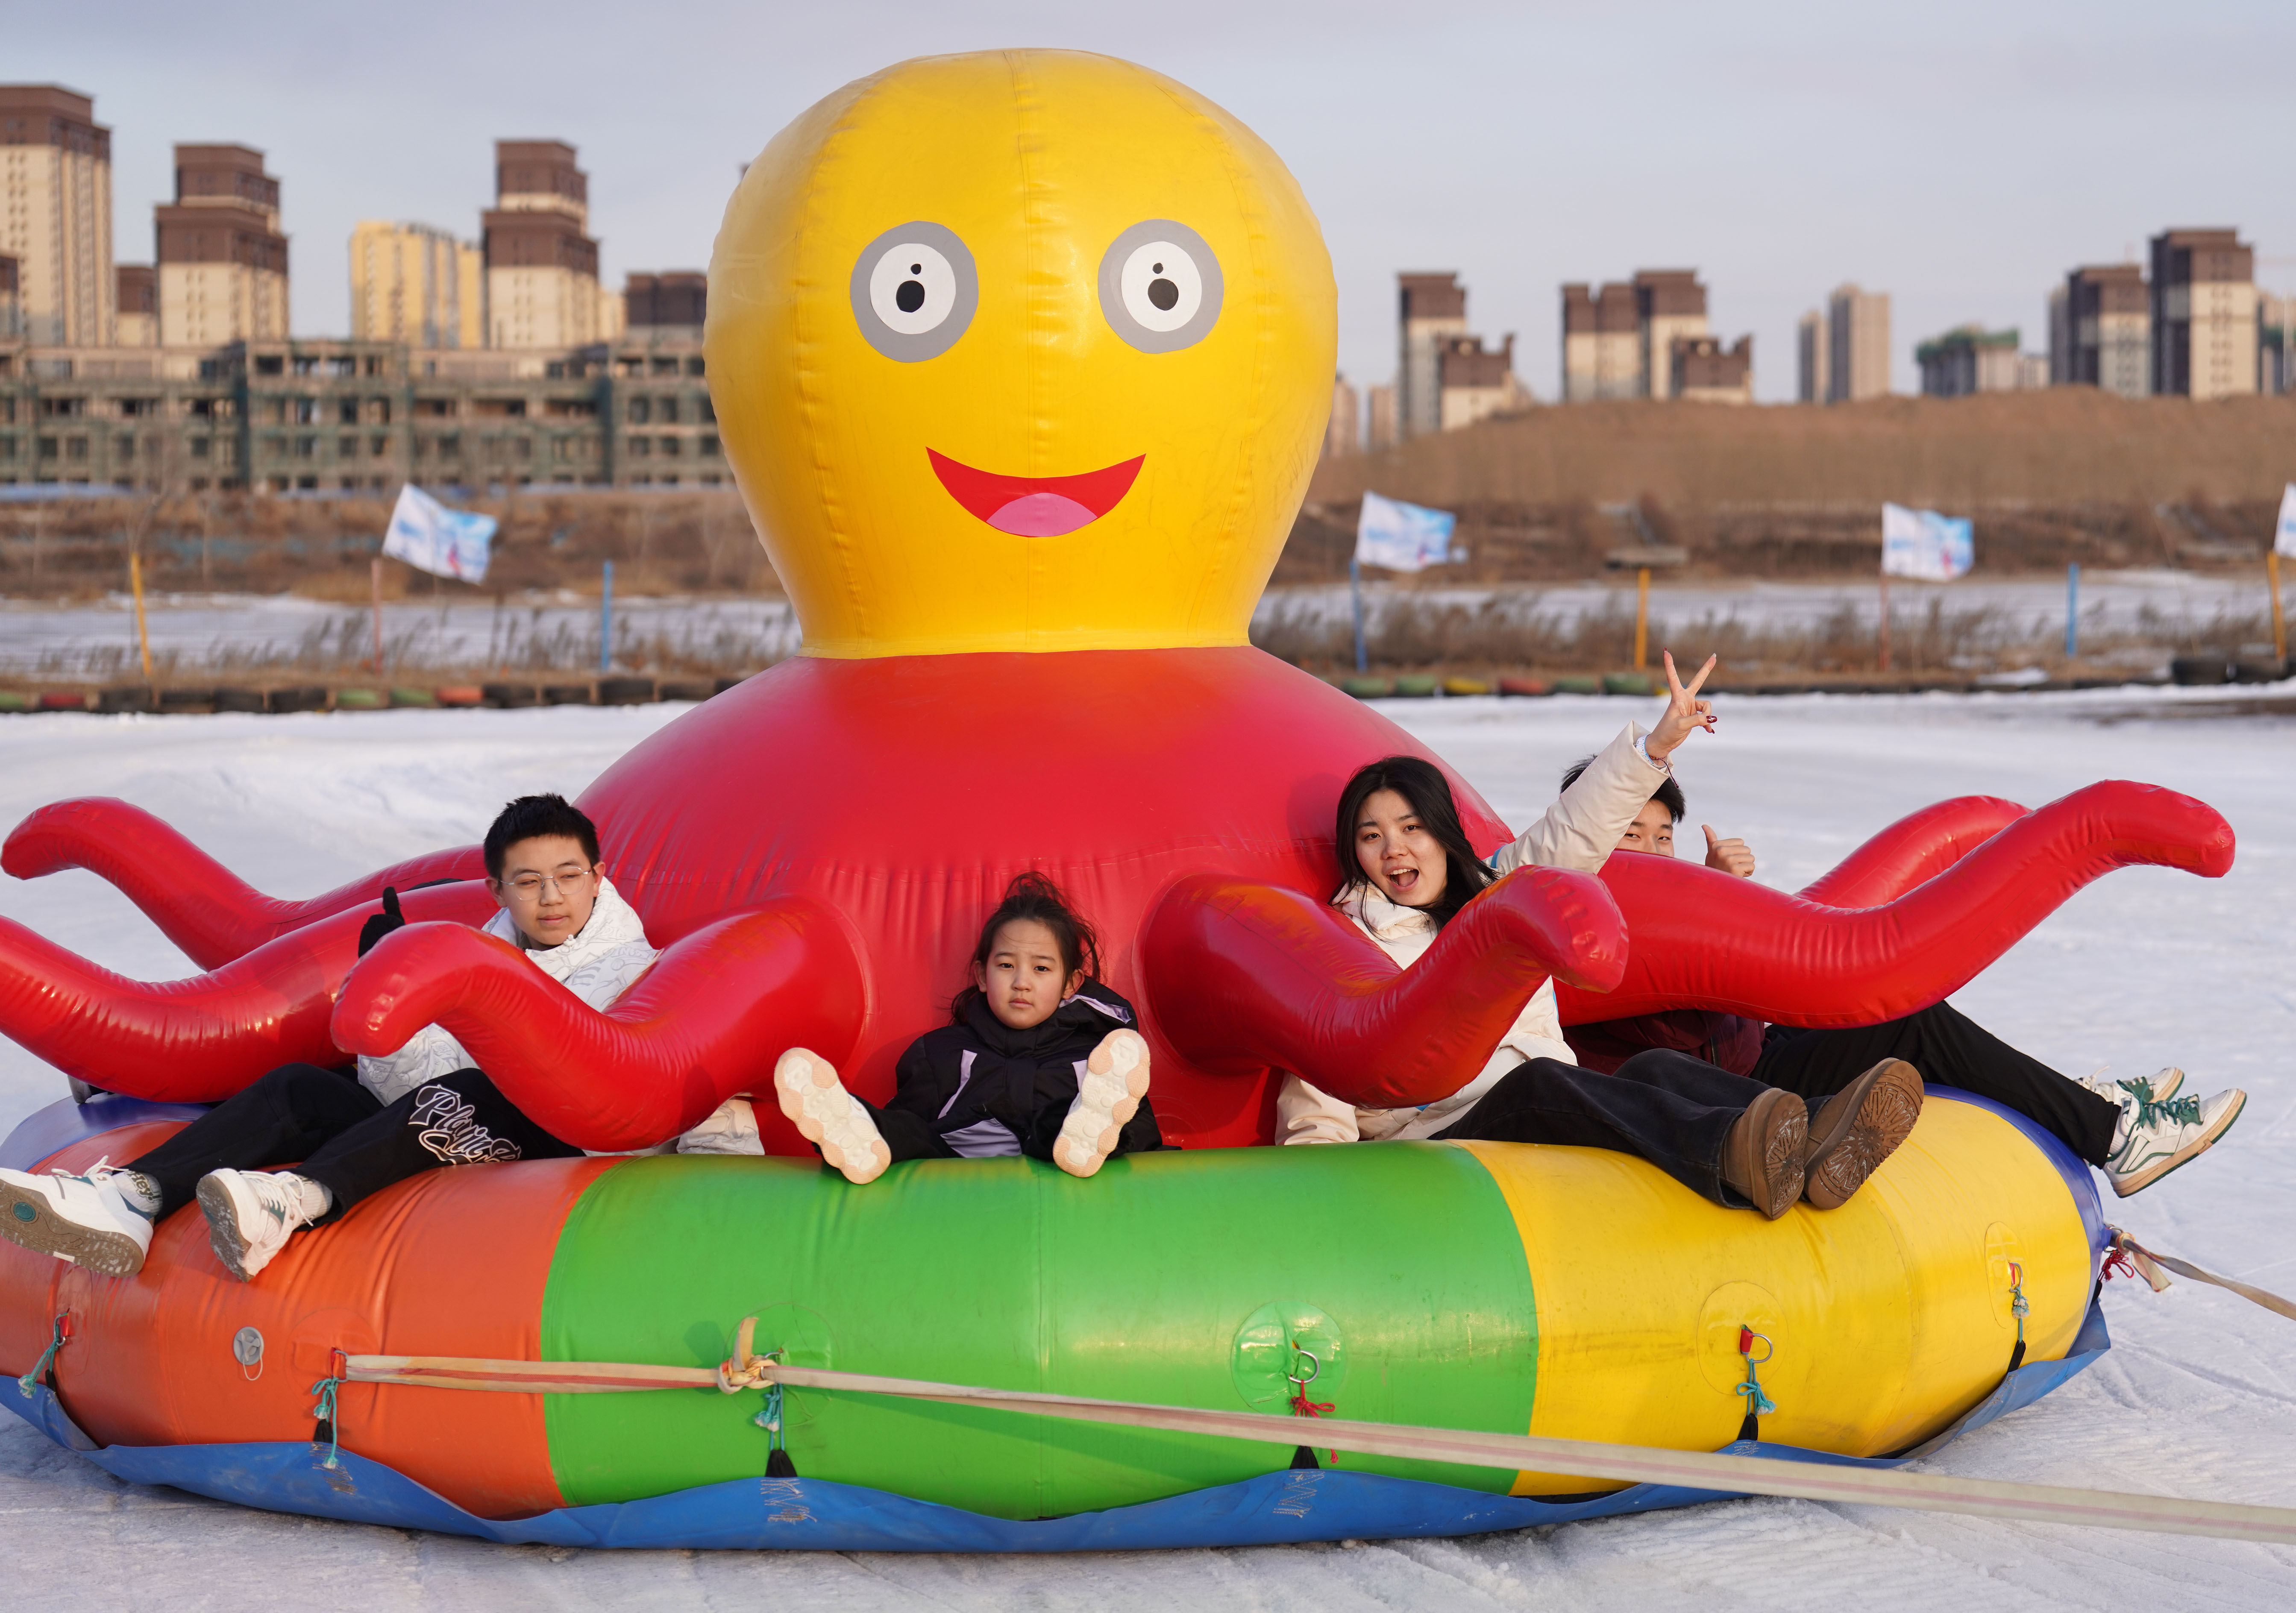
x=2072, y=611
x=1355, y=586
x=606, y=621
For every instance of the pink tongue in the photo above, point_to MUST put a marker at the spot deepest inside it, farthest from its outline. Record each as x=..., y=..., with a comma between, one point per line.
x=1042, y=515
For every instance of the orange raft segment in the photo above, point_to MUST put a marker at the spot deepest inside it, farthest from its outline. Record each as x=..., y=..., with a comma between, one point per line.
x=440, y=1265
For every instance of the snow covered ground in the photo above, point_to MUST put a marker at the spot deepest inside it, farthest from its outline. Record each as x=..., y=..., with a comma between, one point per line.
x=2145, y=968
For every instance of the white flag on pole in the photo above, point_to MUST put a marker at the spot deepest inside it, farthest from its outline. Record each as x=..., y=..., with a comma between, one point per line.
x=2283, y=540
x=431, y=537
x=1397, y=537
x=1921, y=543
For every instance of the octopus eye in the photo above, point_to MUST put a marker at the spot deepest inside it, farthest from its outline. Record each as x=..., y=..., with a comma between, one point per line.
x=1160, y=286
x=914, y=291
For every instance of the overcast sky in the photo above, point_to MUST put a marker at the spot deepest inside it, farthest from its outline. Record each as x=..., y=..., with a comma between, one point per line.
x=1960, y=156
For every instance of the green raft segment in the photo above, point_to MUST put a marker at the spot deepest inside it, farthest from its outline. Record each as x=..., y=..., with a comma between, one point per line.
x=1170, y=1278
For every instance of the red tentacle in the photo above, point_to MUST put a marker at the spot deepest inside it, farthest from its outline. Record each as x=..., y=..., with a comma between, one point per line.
x=1703, y=939
x=1242, y=977
x=199, y=1039
x=709, y=1019
x=203, y=907
x=1917, y=848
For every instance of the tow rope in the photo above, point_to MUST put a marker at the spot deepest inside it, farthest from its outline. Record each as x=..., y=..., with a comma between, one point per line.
x=1515, y=1452
x=2128, y=1255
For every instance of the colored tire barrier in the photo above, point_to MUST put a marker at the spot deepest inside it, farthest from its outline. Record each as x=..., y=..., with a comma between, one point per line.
x=1583, y=1296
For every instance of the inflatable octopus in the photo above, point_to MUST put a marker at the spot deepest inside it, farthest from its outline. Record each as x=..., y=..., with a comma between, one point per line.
x=1023, y=362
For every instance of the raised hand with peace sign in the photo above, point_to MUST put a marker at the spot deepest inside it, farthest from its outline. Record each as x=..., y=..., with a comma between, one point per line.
x=1684, y=711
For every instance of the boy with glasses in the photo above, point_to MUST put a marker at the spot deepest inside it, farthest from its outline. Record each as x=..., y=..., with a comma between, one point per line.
x=423, y=1106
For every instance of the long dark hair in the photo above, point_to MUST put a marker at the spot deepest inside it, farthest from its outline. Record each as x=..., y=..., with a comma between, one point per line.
x=1427, y=793
x=1033, y=896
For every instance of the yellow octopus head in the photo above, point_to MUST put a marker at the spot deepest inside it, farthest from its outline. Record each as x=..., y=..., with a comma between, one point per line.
x=1019, y=350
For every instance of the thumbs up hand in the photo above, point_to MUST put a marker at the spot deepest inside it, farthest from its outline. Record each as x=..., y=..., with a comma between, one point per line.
x=1731, y=855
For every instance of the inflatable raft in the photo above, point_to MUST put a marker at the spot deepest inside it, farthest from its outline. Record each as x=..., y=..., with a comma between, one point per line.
x=1482, y=1286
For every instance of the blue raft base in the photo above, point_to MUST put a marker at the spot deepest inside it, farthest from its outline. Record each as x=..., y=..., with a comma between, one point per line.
x=817, y=1515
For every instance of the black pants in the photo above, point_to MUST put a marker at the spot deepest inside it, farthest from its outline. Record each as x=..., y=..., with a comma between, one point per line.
x=911, y=1136
x=1951, y=1051
x=1663, y=1106
x=346, y=1140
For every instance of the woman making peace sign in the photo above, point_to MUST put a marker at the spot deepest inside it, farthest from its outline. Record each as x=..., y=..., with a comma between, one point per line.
x=1406, y=870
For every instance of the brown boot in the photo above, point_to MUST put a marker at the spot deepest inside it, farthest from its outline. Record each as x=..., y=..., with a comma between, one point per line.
x=1859, y=1128
x=1761, y=1158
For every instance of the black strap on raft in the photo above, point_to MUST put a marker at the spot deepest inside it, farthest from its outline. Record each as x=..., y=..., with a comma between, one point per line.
x=1302, y=1457
x=778, y=1464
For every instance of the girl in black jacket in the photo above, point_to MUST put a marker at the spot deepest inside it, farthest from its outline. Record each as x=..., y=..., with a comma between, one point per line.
x=1038, y=1059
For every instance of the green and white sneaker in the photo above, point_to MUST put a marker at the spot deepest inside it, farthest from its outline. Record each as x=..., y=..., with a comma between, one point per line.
x=2138, y=1089
x=99, y=1220
x=2154, y=1137
x=251, y=1215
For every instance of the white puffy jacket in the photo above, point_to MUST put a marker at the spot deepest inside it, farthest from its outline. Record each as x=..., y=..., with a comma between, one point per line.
x=597, y=963
x=1580, y=831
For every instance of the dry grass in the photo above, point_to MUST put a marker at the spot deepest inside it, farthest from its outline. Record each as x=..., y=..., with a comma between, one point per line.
x=1512, y=630
x=2069, y=445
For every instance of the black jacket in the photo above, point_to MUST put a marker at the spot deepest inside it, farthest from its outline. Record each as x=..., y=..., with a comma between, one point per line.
x=986, y=1089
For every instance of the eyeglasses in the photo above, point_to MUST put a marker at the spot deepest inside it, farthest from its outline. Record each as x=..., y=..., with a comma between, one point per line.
x=528, y=887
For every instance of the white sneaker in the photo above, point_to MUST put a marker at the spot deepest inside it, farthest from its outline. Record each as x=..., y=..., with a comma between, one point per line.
x=818, y=1105
x=2137, y=1089
x=730, y=1128
x=2154, y=1138
x=87, y=1220
x=1115, y=1080
x=251, y=1215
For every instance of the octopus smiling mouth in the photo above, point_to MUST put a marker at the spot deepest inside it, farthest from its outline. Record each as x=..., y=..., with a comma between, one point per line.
x=1037, y=507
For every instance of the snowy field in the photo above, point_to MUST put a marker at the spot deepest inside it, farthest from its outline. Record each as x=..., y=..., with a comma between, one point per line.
x=2148, y=967
x=232, y=631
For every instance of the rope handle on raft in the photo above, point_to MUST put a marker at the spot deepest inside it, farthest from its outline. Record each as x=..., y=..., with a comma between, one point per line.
x=1513, y=1453
x=2127, y=1258
x=60, y=1332
x=1300, y=1404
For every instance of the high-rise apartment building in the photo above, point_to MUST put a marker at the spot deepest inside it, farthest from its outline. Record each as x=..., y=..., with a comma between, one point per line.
x=1432, y=308
x=1970, y=358
x=2108, y=330
x=222, y=260
x=1602, y=342
x=1378, y=420
x=1704, y=371
x=1669, y=306
x=2275, y=373
x=1858, y=345
x=542, y=265
x=413, y=283
x=1344, y=435
x=136, y=319
x=12, y=306
x=1622, y=340
x=2203, y=308
x=1812, y=360
x=673, y=299
x=55, y=213
x=1477, y=382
